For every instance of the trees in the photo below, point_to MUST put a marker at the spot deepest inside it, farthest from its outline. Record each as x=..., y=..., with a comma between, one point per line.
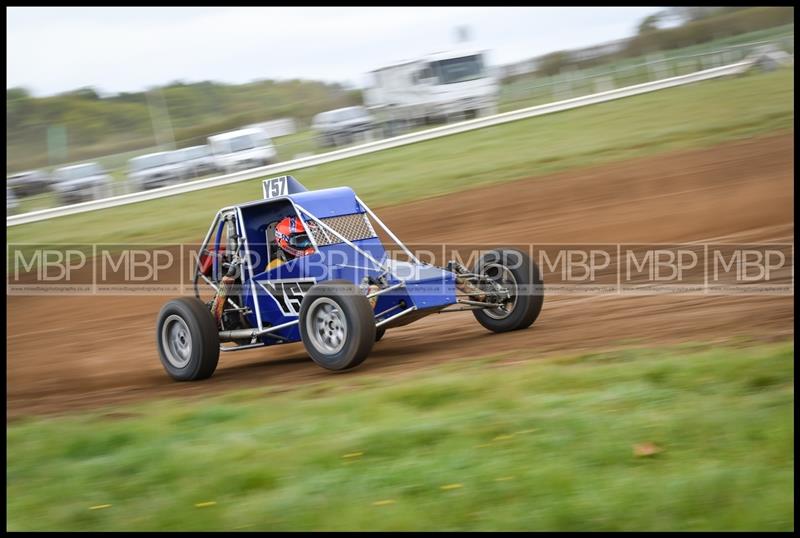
x=649, y=23
x=101, y=125
x=702, y=24
x=552, y=64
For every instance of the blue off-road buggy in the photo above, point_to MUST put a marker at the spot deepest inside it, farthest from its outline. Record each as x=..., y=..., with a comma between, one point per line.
x=340, y=298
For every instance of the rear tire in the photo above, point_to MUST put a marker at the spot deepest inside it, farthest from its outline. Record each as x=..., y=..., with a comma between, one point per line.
x=337, y=325
x=515, y=269
x=379, y=332
x=188, y=339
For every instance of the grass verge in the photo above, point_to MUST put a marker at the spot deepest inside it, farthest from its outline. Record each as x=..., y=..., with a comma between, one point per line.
x=681, y=438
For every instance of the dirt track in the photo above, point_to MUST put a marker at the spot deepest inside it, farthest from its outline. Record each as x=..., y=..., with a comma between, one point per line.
x=68, y=353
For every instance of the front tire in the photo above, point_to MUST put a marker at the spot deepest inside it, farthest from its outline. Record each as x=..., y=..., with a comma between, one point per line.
x=513, y=270
x=188, y=339
x=337, y=325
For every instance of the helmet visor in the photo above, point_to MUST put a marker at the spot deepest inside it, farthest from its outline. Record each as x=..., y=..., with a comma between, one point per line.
x=300, y=241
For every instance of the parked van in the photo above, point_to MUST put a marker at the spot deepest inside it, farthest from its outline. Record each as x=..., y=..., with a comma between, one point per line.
x=81, y=182
x=195, y=161
x=242, y=149
x=341, y=126
x=154, y=170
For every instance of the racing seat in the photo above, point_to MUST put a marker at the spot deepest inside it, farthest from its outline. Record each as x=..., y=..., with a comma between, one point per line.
x=273, y=251
x=272, y=246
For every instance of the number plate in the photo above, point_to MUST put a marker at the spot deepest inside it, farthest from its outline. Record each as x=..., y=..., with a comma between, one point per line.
x=276, y=186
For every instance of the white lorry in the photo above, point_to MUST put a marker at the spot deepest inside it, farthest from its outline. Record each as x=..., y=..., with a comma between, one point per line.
x=242, y=149
x=438, y=86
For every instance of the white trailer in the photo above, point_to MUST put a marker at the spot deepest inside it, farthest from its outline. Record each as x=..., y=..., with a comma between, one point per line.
x=439, y=86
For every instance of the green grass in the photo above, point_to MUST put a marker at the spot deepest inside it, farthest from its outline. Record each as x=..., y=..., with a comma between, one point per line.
x=542, y=445
x=37, y=201
x=697, y=115
x=292, y=146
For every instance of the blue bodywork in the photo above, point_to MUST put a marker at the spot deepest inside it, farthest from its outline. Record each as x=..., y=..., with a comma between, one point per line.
x=273, y=297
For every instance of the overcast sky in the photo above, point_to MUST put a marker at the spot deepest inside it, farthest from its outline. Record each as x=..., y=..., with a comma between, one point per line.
x=50, y=50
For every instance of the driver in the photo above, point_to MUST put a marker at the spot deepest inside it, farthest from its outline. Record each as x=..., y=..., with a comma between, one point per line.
x=292, y=240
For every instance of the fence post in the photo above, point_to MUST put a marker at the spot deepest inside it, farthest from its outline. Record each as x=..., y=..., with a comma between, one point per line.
x=57, y=144
x=554, y=87
x=602, y=84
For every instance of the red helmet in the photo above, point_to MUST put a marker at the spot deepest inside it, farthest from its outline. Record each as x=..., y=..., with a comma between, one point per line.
x=291, y=236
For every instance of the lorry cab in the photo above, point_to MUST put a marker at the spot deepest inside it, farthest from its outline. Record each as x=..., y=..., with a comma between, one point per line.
x=438, y=86
x=460, y=81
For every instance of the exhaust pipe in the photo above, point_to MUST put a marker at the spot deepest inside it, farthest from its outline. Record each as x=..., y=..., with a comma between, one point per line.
x=241, y=334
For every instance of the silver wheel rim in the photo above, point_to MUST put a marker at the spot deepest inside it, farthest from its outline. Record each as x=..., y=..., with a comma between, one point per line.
x=326, y=326
x=504, y=278
x=176, y=341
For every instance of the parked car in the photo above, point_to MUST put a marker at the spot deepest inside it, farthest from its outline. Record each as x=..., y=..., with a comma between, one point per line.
x=154, y=170
x=12, y=204
x=242, y=149
x=29, y=183
x=195, y=161
x=81, y=182
x=340, y=126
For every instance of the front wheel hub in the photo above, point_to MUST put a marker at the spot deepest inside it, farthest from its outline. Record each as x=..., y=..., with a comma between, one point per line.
x=177, y=341
x=326, y=326
x=502, y=278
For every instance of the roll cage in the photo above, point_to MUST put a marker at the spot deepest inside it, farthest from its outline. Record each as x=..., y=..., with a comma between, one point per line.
x=398, y=300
